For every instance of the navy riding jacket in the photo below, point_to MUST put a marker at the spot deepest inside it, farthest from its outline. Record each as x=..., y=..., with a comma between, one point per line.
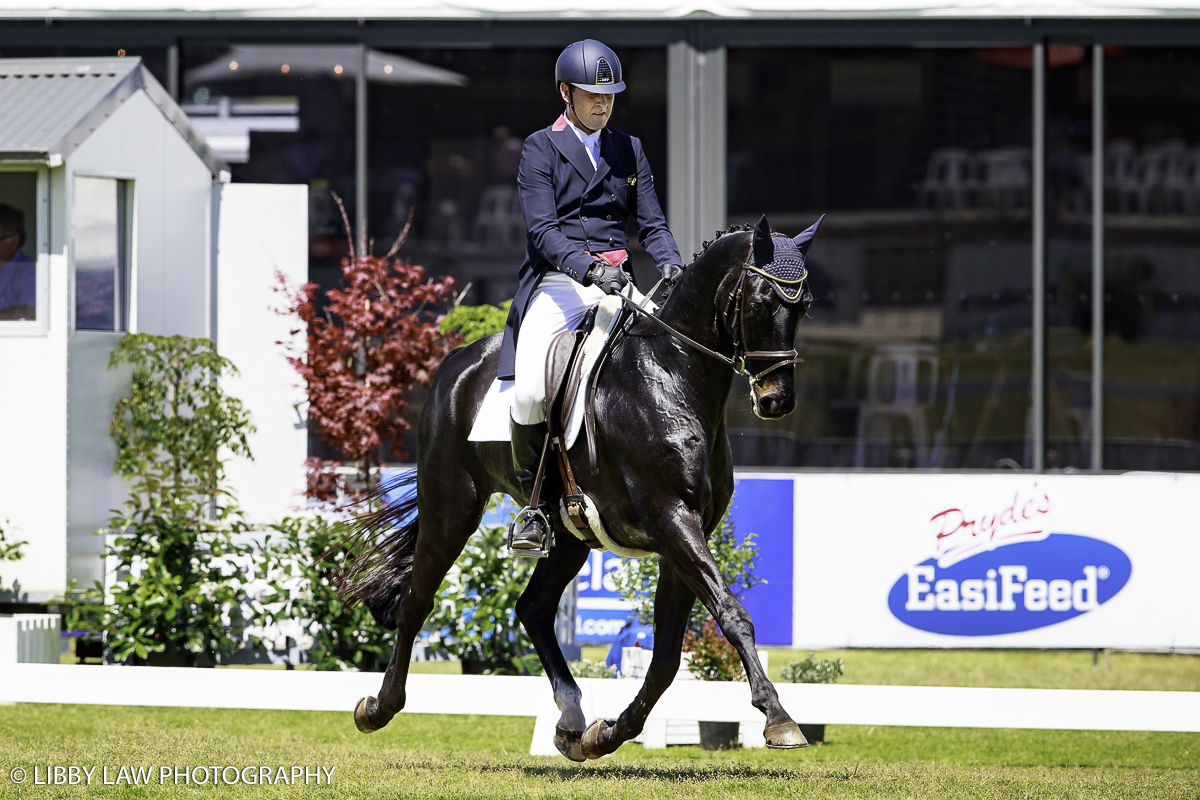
x=572, y=210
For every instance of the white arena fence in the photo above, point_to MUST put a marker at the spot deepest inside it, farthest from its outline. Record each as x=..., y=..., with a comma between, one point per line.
x=845, y=704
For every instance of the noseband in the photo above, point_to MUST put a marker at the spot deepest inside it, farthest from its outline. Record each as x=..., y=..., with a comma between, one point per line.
x=734, y=318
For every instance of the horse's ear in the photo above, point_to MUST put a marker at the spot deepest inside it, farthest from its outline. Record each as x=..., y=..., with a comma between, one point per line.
x=764, y=248
x=805, y=239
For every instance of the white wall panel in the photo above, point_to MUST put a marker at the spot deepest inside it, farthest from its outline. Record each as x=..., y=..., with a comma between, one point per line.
x=262, y=230
x=33, y=404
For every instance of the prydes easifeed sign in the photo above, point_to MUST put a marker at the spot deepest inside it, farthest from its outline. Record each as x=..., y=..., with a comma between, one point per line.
x=1018, y=587
x=1078, y=561
x=999, y=570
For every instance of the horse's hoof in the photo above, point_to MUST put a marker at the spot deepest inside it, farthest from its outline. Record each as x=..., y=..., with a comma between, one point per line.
x=569, y=744
x=590, y=744
x=361, y=720
x=784, y=736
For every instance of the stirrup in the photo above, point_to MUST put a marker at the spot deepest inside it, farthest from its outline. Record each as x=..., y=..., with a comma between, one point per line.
x=517, y=523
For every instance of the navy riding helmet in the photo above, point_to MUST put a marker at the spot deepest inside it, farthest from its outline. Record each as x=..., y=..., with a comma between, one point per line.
x=591, y=66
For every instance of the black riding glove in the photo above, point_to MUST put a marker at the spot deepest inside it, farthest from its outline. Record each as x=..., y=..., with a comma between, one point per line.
x=671, y=273
x=608, y=278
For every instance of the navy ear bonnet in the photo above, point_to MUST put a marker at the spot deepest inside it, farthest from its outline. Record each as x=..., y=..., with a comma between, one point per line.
x=780, y=259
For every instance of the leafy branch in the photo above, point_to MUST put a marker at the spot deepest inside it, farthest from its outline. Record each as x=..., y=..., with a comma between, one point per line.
x=177, y=590
x=637, y=579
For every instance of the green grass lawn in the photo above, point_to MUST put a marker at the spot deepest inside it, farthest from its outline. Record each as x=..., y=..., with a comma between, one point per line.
x=426, y=756
x=1019, y=669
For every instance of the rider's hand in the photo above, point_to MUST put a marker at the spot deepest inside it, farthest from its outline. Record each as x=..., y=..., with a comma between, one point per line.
x=608, y=278
x=671, y=273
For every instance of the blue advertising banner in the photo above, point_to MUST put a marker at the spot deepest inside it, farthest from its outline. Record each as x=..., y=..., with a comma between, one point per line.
x=762, y=506
x=600, y=613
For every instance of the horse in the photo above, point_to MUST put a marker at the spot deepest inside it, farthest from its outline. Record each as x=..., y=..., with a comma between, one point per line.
x=664, y=480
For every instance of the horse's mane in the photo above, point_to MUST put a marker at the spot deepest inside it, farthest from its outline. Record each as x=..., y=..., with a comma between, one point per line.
x=735, y=228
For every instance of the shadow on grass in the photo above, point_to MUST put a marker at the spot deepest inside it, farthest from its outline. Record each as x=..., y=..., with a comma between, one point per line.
x=691, y=773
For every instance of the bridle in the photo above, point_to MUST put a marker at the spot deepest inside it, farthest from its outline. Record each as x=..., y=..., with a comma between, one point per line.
x=733, y=315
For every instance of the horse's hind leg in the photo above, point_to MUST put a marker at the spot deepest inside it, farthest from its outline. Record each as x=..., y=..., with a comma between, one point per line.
x=673, y=602
x=537, y=609
x=450, y=508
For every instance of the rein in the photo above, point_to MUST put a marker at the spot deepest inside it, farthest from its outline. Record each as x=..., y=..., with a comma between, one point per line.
x=737, y=328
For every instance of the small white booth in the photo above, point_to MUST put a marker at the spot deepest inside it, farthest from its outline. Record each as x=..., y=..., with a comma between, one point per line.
x=110, y=208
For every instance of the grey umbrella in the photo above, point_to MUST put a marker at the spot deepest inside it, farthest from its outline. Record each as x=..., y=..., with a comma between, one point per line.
x=333, y=60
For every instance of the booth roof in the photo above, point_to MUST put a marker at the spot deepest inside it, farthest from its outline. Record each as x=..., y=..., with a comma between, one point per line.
x=54, y=104
x=622, y=9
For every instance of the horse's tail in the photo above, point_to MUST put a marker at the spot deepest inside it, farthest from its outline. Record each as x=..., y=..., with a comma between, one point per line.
x=386, y=540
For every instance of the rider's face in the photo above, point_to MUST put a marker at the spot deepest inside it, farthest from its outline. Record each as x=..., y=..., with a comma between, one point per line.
x=592, y=111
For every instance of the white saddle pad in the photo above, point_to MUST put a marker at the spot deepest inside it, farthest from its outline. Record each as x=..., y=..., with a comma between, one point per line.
x=494, y=418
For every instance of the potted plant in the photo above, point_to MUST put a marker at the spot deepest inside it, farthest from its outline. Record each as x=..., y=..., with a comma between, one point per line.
x=810, y=670
x=713, y=658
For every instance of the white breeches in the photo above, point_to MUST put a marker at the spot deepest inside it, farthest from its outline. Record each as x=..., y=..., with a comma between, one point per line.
x=559, y=304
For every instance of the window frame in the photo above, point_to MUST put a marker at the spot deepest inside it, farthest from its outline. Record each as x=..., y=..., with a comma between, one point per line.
x=125, y=281
x=40, y=326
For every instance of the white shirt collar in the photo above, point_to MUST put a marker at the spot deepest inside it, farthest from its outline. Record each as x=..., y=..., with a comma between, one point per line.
x=590, y=141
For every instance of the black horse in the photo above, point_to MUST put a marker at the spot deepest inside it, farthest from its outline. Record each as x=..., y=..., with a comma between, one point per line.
x=665, y=479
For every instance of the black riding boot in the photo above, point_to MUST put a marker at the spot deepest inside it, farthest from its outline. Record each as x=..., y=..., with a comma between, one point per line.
x=533, y=531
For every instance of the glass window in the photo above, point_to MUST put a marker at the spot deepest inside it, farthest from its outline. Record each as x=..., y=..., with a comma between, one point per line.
x=1068, y=257
x=18, y=245
x=101, y=254
x=283, y=114
x=1152, y=259
x=918, y=344
x=446, y=127
x=448, y=144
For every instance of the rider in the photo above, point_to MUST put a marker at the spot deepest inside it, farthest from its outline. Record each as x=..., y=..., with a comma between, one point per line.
x=579, y=182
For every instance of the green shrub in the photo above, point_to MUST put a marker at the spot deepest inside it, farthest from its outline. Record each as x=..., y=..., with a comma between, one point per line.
x=476, y=322
x=9, y=551
x=474, y=616
x=637, y=578
x=586, y=668
x=713, y=658
x=176, y=593
x=822, y=670
x=299, y=588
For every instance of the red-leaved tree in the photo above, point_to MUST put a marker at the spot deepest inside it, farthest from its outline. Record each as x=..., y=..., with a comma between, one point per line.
x=376, y=337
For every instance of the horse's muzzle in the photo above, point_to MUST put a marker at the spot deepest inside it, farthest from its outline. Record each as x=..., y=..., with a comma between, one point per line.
x=774, y=399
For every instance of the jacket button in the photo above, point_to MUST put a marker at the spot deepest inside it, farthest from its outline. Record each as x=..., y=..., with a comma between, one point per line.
x=583, y=219
x=610, y=240
x=613, y=196
x=609, y=218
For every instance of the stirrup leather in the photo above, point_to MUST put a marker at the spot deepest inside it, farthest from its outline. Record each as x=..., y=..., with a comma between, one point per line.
x=519, y=522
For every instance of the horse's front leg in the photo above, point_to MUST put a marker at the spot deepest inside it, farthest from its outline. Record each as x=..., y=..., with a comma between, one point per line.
x=673, y=601
x=537, y=609
x=685, y=545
